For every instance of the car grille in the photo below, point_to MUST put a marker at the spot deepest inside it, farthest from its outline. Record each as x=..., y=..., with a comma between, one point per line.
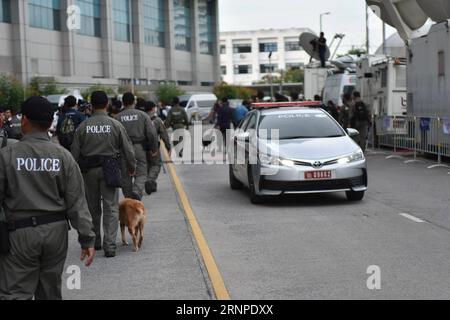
x=319, y=185
x=310, y=164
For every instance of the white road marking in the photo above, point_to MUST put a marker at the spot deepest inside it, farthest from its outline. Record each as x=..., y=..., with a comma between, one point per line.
x=410, y=217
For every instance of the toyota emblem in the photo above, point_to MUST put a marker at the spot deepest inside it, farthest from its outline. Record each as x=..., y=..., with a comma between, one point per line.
x=317, y=164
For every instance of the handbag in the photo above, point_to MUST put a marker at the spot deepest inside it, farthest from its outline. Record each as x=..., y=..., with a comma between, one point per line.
x=5, y=245
x=112, y=172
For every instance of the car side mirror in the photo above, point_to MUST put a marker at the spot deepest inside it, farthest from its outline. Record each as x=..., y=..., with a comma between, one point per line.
x=244, y=137
x=352, y=132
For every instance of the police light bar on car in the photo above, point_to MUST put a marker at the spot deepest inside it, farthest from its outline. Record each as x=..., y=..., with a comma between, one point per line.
x=307, y=104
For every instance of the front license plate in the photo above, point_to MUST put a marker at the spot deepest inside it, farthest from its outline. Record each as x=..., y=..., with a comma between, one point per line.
x=318, y=175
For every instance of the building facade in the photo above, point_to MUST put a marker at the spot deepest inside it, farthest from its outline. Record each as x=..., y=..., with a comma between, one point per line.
x=244, y=55
x=83, y=42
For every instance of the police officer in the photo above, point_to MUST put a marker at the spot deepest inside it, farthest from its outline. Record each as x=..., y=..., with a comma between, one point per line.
x=41, y=187
x=13, y=126
x=177, y=119
x=100, y=140
x=154, y=162
x=361, y=119
x=143, y=135
x=68, y=122
x=346, y=111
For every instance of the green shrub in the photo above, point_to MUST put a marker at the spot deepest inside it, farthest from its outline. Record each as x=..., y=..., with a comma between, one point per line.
x=11, y=92
x=166, y=92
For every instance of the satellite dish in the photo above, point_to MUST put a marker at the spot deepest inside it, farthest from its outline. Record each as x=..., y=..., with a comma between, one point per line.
x=404, y=15
x=412, y=14
x=379, y=9
x=437, y=10
x=409, y=11
x=306, y=42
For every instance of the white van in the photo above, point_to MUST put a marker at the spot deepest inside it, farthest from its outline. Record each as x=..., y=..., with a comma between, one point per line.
x=337, y=85
x=198, y=105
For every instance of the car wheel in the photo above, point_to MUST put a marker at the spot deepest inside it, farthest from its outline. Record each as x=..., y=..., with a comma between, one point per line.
x=355, y=195
x=235, y=184
x=254, y=198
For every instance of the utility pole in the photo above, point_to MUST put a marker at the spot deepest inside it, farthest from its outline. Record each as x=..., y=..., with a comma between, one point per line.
x=321, y=19
x=270, y=76
x=367, y=30
x=281, y=81
x=384, y=38
x=130, y=17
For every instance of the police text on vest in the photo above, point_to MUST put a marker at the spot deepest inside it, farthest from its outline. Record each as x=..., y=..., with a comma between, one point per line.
x=38, y=165
x=98, y=129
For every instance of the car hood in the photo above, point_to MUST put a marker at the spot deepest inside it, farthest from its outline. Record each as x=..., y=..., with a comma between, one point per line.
x=315, y=149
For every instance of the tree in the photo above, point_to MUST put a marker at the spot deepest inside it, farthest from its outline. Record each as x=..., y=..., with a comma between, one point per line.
x=11, y=92
x=98, y=87
x=354, y=51
x=39, y=88
x=294, y=76
x=167, y=91
x=224, y=90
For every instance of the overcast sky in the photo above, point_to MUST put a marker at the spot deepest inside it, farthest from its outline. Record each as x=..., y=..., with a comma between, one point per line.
x=347, y=16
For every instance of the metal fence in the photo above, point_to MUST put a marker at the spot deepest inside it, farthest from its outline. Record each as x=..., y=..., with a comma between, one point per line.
x=414, y=135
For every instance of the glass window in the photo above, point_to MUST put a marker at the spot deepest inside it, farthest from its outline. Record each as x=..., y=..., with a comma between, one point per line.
x=154, y=23
x=292, y=46
x=268, y=47
x=206, y=26
x=5, y=11
x=90, y=17
x=223, y=49
x=301, y=125
x=122, y=24
x=45, y=14
x=242, y=48
x=243, y=69
x=267, y=68
x=251, y=125
x=183, y=32
x=223, y=70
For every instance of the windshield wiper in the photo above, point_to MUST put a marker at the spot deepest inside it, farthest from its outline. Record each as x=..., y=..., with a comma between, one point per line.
x=297, y=137
x=310, y=137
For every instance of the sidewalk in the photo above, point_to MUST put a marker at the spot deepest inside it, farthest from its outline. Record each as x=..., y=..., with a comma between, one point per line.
x=167, y=267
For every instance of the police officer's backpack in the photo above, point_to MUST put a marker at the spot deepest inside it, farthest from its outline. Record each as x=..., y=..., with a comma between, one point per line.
x=67, y=131
x=176, y=118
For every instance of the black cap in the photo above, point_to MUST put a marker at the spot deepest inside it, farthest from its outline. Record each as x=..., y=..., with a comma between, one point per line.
x=99, y=99
x=149, y=105
x=128, y=99
x=70, y=101
x=38, y=109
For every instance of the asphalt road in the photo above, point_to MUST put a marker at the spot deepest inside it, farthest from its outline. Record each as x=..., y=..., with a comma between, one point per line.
x=167, y=267
x=296, y=247
x=320, y=247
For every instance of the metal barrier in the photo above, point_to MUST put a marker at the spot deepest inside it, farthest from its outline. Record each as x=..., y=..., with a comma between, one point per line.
x=412, y=135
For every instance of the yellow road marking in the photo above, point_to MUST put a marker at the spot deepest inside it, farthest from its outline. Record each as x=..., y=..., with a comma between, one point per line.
x=214, y=274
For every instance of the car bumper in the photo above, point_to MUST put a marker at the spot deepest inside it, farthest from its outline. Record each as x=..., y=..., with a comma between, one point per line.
x=291, y=180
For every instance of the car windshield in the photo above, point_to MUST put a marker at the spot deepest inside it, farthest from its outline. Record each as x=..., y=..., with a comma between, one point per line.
x=301, y=126
x=206, y=104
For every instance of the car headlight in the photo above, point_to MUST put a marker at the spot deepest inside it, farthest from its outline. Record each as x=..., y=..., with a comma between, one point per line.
x=275, y=161
x=357, y=156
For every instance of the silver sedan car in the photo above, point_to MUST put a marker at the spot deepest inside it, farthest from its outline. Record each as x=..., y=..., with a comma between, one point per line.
x=280, y=149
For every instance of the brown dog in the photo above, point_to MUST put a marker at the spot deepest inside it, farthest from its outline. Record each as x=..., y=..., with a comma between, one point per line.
x=132, y=214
